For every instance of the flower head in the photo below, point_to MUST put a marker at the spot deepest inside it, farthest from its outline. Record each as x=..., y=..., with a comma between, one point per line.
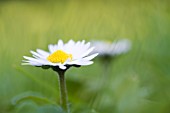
x=111, y=49
x=62, y=55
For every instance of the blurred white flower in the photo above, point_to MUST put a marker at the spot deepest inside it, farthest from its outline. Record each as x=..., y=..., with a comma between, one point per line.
x=105, y=48
x=62, y=55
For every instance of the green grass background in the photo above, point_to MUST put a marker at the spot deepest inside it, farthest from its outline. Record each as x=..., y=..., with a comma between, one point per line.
x=138, y=82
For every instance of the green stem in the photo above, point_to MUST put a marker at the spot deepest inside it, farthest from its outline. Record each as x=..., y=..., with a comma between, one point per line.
x=63, y=91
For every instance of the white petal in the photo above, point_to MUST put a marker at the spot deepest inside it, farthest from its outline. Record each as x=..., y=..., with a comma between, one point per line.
x=35, y=64
x=54, y=64
x=40, y=61
x=87, y=52
x=51, y=48
x=31, y=63
x=69, y=47
x=62, y=67
x=35, y=54
x=43, y=53
x=90, y=57
x=86, y=63
x=87, y=45
x=83, y=47
x=80, y=62
x=71, y=42
x=120, y=47
x=25, y=61
x=83, y=41
x=78, y=42
x=30, y=58
x=25, y=64
x=60, y=44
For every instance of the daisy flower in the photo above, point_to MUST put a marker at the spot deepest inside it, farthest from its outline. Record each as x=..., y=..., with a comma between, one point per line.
x=62, y=55
x=111, y=49
x=108, y=51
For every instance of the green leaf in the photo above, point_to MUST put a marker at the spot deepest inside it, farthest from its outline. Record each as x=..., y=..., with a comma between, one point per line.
x=36, y=97
x=32, y=107
x=50, y=109
x=27, y=107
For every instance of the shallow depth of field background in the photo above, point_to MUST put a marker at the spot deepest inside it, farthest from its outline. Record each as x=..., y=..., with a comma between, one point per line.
x=139, y=81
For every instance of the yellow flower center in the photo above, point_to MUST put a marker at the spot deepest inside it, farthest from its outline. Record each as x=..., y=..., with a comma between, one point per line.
x=59, y=56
